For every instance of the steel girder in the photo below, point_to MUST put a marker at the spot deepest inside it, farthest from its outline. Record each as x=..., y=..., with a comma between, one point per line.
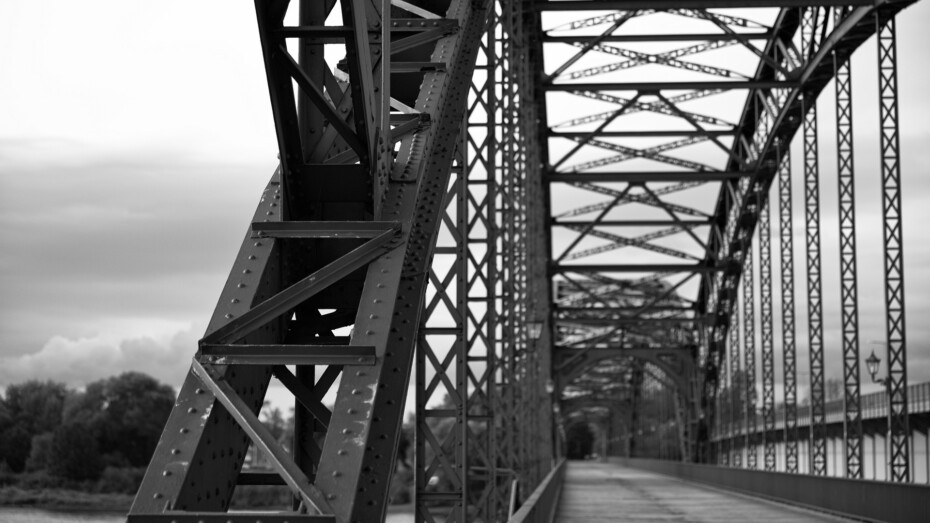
x=350, y=229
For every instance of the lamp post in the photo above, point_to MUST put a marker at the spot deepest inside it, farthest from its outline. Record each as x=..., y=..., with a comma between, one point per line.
x=873, y=364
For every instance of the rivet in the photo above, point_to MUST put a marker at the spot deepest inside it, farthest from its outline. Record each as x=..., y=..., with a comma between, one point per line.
x=336, y=474
x=346, y=431
x=341, y=452
x=175, y=451
x=228, y=315
x=157, y=495
x=198, y=390
x=166, y=473
x=192, y=410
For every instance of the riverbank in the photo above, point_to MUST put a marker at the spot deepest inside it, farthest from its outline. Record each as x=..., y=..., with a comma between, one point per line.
x=63, y=499
x=74, y=501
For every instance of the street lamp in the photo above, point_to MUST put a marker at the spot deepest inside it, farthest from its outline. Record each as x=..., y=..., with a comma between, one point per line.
x=873, y=363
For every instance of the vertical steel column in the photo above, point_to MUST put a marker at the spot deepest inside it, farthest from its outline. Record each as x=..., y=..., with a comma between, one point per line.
x=310, y=122
x=510, y=427
x=789, y=350
x=441, y=475
x=817, y=449
x=849, y=301
x=765, y=324
x=749, y=351
x=481, y=324
x=637, y=375
x=899, y=437
x=537, y=212
x=723, y=420
x=818, y=453
x=736, y=381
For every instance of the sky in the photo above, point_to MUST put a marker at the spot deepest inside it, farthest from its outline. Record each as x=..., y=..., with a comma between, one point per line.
x=135, y=140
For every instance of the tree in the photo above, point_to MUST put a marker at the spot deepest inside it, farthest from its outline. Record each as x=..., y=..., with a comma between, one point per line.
x=29, y=408
x=15, y=444
x=35, y=405
x=73, y=453
x=125, y=413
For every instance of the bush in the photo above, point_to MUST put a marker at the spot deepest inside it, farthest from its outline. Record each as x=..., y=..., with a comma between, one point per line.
x=73, y=453
x=120, y=480
x=38, y=455
x=401, y=487
x=40, y=480
x=264, y=496
x=7, y=477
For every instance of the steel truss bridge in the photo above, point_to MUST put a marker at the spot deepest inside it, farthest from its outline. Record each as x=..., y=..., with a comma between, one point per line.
x=522, y=216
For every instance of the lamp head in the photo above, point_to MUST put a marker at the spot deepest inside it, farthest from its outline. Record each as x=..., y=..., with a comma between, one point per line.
x=872, y=363
x=534, y=329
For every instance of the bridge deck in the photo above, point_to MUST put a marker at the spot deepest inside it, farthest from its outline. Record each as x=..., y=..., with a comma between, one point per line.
x=595, y=492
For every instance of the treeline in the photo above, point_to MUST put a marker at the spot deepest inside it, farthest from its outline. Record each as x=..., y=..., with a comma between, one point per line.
x=99, y=439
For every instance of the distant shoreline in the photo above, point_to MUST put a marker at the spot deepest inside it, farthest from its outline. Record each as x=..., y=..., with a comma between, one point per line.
x=64, y=500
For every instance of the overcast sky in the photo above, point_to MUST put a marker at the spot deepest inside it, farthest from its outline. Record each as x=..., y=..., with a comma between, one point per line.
x=135, y=140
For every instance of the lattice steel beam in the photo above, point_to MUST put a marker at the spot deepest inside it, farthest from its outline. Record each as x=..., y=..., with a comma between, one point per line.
x=768, y=345
x=818, y=432
x=749, y=350
x=737, y=383
x=849, y=306
x=789, y=350
x=894, y=247
x=604, y=5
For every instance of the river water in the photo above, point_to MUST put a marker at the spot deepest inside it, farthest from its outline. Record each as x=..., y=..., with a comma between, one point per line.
x=30, y=515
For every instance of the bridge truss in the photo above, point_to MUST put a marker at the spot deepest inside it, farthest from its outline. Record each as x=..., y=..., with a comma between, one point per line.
x=536, y=219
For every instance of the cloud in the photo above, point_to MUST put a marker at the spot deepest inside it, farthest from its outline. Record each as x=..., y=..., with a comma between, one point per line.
x=77, y=361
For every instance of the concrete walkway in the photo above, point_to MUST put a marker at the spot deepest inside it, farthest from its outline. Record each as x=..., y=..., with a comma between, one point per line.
x=600, y=492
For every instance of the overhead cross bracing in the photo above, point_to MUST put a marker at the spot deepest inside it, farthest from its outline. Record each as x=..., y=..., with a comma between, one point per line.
x=644, y=101
x=539, y=219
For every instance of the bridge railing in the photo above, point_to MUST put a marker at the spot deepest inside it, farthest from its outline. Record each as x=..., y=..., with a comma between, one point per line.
x=540, y=507
x=873, y=406
x=860, y=499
